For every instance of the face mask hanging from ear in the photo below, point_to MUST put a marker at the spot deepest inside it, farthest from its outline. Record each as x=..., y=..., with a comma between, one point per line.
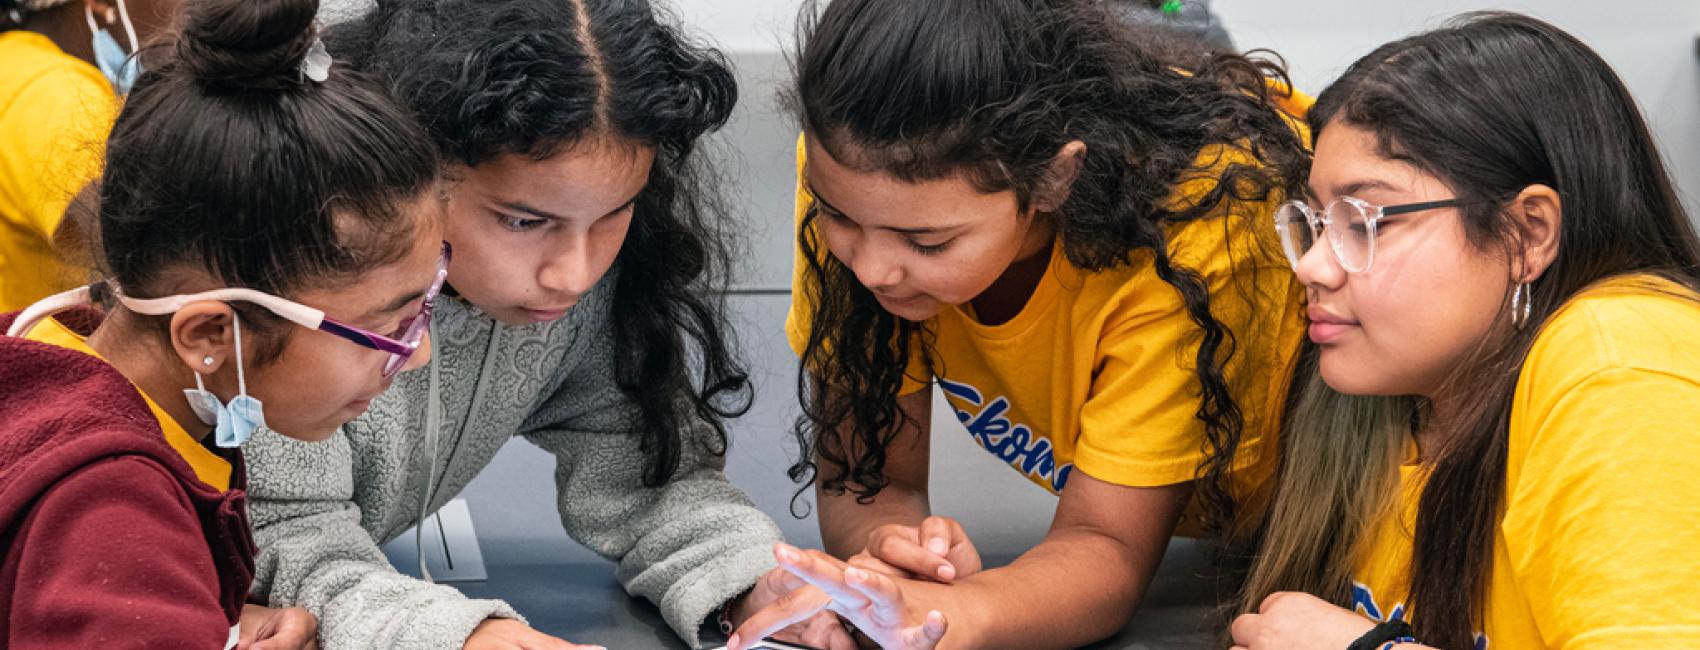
x=120, y=68
x=233, y=423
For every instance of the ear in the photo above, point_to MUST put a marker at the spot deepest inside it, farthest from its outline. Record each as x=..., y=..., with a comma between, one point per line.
x=1538, y=213
x=105, y=11
x=201, y=331
x=1059, y=179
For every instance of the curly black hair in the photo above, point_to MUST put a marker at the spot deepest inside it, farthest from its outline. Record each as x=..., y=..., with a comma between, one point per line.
x=993, y=89
x=489, y=78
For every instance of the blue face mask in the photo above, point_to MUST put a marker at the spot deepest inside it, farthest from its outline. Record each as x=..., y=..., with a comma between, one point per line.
x=120, y=68
x=233, y=423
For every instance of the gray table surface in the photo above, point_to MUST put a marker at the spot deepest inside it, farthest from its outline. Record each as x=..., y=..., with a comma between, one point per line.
x=578, y=599
x=565, y=590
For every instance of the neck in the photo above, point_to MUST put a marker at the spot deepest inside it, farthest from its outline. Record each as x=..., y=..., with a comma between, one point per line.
x=1434, y=422
x=66, y=26
x=1010, y=292
x=1039, y=238
x=158, y=373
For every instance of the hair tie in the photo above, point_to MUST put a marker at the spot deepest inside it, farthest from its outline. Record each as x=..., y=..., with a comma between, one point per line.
x=317, y=64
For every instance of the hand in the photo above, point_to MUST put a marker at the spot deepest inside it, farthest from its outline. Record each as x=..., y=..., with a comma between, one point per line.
x=509, y=634
x=873, y=602
x=265, y=628
x=822, y=630
x=1296, y=621
x=938, y=550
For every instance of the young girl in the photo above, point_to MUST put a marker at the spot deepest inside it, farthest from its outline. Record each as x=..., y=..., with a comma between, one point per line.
x=1496, y=448
x=66, y=63
x=586, y=247
x=252, y=189
x=1069, y=233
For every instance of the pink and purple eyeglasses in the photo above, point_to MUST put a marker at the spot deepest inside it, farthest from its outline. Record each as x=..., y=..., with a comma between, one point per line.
x=401, y=349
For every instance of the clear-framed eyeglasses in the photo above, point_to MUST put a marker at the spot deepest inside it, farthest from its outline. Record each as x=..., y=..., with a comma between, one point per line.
x=1349, y=223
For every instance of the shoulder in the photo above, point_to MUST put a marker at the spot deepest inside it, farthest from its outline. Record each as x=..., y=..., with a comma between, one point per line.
x=1617, y=362
x=52, y=86
x=128, y=492
x=1634, y=322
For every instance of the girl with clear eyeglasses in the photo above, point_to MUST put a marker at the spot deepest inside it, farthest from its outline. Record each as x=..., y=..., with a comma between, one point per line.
x=1493, y=443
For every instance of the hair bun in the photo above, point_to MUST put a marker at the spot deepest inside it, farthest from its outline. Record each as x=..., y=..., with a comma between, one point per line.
x=246, y=44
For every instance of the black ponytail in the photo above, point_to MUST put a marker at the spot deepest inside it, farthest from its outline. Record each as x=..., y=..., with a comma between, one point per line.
x=227, y=161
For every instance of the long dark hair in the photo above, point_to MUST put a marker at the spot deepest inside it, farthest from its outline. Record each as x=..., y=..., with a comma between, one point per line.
x=226, y=160
x=993, y=89
x=497, y=77
x=1490, y=104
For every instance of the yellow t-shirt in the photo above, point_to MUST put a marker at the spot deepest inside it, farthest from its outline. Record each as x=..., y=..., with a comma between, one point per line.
x=208, y=467
x=1095, y=374
x=55, y=112
x=1602, y=490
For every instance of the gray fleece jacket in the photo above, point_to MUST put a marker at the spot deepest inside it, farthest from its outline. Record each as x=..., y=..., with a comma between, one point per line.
x=321, y=510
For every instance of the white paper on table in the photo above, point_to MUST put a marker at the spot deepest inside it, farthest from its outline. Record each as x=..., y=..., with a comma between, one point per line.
x=770, y=644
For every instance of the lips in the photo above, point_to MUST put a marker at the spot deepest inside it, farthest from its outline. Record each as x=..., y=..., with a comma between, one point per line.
x=1327, y=327
x=886, y=297
x=547, y=313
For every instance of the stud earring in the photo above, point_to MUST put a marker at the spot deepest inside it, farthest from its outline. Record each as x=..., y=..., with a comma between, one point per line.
x=207, y=360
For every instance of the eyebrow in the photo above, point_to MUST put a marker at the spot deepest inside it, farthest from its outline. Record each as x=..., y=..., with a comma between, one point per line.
x=1355, y=187
x=518, y=206
x=394, y=305
x=930, y=230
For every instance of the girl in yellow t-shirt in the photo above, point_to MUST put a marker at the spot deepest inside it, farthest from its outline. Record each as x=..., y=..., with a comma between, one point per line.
x=1497, y=446
x=64, y=60
x=1066, y=231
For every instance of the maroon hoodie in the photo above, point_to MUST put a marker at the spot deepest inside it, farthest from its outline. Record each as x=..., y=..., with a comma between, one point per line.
x=109, y=538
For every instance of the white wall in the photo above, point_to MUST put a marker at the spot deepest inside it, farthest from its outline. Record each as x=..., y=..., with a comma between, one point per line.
x=1651, y=43
x=742, y=25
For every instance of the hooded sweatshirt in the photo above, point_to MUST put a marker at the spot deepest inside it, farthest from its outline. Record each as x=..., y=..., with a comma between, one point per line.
x=118, y=528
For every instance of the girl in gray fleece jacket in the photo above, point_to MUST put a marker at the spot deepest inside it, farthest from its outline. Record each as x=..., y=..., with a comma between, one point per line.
x=580, y=318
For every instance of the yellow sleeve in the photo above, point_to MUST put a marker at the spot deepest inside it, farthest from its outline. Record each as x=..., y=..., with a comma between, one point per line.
x=1603, y=511
x=1295, y=104
x=800, y=317
x=54, y=136
x=1139, y=427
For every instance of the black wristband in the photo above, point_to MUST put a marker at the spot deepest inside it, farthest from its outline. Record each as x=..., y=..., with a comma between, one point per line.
x=1394, y=631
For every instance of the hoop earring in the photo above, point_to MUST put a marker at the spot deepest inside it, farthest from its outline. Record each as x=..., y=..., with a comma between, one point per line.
x=1521, y=306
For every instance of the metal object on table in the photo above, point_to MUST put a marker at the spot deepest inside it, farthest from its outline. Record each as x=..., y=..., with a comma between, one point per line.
x=450, y=545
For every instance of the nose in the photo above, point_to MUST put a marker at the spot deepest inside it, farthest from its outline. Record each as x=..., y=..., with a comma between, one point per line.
x=1318, y=268
x=573, y=269
x=874, y=267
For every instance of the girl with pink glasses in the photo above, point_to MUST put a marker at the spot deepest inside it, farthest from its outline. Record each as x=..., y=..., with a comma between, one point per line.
x=269, y=230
